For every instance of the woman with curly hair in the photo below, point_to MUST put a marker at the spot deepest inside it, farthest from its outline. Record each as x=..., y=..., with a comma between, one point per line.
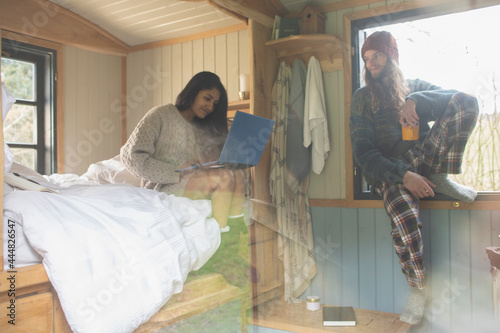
x=405, y=171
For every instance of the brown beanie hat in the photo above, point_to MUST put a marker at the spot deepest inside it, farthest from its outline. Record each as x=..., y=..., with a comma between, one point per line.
x=381, y=41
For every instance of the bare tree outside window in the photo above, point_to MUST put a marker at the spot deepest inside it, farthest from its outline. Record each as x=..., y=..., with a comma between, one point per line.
x=28, y=72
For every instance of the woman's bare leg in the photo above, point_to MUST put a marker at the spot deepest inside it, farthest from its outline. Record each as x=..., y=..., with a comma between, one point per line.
x=222, y=195
x=218, y=185
x=238, y=194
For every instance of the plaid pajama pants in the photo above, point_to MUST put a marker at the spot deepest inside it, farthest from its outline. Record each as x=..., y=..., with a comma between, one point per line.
x=440, y=152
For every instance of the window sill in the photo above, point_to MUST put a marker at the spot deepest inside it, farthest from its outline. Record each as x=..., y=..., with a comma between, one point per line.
x=237, y=106
x=484, y=201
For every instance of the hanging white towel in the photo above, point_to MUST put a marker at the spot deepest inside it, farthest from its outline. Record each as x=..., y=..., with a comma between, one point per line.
x=315, y=121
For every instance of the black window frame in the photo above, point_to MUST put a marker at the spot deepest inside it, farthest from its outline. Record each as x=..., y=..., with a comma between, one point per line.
x=362, y=190
x=45, y=60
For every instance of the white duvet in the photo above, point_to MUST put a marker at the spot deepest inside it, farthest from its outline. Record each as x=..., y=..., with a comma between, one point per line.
x=114, y=253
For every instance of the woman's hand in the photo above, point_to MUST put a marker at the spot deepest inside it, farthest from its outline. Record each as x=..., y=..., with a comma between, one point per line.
x=409, y=115
x=189, y=166
x=418, y=185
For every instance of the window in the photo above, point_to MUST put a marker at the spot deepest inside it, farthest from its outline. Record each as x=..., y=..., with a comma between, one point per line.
x=446, y=51
x=29, y=128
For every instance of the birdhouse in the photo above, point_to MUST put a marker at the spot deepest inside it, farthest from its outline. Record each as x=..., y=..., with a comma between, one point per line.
x=312, y=21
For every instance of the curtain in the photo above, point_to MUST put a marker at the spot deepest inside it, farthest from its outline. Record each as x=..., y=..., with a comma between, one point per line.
x=289, y=179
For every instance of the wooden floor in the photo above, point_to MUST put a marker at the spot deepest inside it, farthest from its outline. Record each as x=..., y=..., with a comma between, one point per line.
x=296, y=318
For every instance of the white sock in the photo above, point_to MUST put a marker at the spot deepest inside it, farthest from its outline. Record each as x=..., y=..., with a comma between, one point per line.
x=413, y=311
x=447, y=186
x=225, y=229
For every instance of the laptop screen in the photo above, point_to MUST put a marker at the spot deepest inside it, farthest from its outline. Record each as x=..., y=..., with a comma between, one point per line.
x=247, y=139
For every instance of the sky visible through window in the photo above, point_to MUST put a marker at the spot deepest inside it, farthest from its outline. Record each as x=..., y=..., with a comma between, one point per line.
x=461, y=51
x=457, y=51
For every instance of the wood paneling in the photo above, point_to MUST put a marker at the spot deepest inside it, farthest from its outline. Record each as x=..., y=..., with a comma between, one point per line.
x=156, y=76
x=261, y=11
x=46, y=20
x=33, y=314
x=92, y=108
x=357, y=265
x=138, y=22
x=263, y=70
x=331, y=183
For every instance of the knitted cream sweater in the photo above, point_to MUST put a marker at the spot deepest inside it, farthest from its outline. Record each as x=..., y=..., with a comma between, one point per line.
x=162, y=142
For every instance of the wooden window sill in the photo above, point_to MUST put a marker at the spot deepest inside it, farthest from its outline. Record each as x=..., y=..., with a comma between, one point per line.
x=483, y=203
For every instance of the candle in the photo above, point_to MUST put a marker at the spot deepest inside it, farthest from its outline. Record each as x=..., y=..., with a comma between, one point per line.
x=244, y=82
x=312, y=303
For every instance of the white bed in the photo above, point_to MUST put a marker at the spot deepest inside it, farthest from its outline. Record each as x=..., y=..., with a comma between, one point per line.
x=107, y=244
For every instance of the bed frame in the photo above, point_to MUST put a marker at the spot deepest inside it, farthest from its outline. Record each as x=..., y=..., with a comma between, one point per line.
x=28, y=300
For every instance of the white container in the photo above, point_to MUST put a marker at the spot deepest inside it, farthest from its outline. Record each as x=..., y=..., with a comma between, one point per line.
x=312, y=303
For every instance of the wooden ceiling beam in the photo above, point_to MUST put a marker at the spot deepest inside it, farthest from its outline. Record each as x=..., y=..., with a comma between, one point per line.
x=261, y=11
x=46, y=20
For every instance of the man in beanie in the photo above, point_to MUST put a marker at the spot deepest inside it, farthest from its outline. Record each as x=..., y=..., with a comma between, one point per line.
x=403, y=172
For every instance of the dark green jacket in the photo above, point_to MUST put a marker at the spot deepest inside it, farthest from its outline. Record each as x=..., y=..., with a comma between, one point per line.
x=377, y=139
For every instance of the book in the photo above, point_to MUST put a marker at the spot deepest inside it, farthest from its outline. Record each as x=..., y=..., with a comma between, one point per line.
x=23, y=183
x=288, y=26
x=275, y=27
x=338, y=316
x=284, y=27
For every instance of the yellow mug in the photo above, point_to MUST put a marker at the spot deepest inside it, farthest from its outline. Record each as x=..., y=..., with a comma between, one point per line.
x=410, y=133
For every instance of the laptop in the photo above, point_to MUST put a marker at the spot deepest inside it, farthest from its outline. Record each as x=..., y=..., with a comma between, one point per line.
x=244, y=144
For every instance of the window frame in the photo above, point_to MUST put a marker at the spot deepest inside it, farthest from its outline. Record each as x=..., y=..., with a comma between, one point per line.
x=485, y=200
x=45, y=60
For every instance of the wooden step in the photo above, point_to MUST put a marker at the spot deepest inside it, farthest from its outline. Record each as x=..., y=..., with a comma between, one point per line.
x=199, y=295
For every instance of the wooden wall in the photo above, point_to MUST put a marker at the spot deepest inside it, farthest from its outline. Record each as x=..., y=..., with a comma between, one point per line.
x=92, y=89
x=156, y=76
x=331, y=183
x=357, y=265
x=356, y=261
x=92, y=108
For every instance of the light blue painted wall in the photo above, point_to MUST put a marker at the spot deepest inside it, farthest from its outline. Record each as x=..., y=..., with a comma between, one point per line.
x=357, y=265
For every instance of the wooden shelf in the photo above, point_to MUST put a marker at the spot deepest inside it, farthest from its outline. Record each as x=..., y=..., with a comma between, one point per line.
x=234, y=106
x=296, y=318
x=326, y=48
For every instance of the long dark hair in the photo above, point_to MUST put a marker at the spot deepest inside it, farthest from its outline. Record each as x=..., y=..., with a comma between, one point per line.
x=215, y=122
x=388, y=92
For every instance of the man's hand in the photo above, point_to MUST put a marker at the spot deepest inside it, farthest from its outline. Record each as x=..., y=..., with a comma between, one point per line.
x=418, y=185
x=409, y=115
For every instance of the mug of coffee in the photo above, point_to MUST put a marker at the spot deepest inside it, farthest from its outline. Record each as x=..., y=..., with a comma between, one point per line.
x=410, y=133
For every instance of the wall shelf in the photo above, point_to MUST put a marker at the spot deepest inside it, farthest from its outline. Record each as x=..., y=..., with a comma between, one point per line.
x=234, y=106
x=326, y=48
